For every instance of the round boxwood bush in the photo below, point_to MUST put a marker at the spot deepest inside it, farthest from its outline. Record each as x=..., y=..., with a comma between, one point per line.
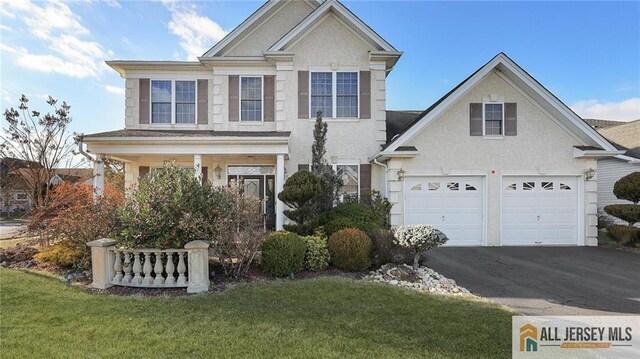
x=628, y=187
x=350, y=250
x=351, y=215
x=626, y=212
x=283, y=253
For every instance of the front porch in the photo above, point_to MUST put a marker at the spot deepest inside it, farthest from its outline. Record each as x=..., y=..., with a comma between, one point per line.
x=256, y=160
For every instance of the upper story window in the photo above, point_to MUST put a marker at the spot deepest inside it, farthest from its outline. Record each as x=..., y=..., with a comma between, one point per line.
x=251, y=89
x=169, y=106
x=493, y=119
x=334, y=90
x=185, y=102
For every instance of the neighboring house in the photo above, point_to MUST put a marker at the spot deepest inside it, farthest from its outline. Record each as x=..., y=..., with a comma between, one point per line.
x=602, y=124
x=497, y=161
x=15, y=192
x=627, y=137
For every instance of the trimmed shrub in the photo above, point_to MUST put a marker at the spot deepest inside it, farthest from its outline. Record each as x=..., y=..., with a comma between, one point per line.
x=317, y=254
x=628, y=187
x=283, y=253
x=301, y=193
x=626, y=212
x=421, y=238
x=350, y=250
x=386, y=250
x=380, y=205
x=64, y=254
x=351, y=215
x=624, y=235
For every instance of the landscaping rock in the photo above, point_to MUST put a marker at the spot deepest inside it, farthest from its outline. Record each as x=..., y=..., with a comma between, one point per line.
x=423, y=279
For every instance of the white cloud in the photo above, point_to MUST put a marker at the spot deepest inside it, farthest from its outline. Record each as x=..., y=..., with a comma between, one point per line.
x=626, y=110
x=61, y=29
x=5, y=28
x=197, y=33
x=118, y=90
x=113, y=3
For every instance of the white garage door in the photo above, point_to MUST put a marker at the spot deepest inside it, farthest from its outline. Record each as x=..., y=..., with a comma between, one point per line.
x=540, y=211
x=451, y=204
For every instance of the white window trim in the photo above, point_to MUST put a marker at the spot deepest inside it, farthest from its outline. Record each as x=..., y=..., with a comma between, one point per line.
x=261, y=99
x=173, y=103
x=335, y=169
x=484, y=132
x=334, y=95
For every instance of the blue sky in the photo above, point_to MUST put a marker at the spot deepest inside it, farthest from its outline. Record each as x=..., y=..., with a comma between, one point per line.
x=586, y=53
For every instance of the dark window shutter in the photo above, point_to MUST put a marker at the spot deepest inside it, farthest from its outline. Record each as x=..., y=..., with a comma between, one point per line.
x=475, y=119
x=365, y=94
x=205, y=175
x=269, y=98
x=234, y=101
x=144, y=101
x=303, y=94
x=365, y=178
x=303, y=167
x=143, y=171
x=203, y=102
x=510, y=119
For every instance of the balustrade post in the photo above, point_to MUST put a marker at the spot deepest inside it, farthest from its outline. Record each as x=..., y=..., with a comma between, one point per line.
x=157, y=270
x=148, y=279
x=170, y=268
x=198, y=252
x=137, y=267
x=117, y=267
x=102, y=262
x=182, y=280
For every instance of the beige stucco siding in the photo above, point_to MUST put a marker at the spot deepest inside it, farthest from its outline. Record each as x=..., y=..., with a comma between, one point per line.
x=270, y=31
x=540, y=148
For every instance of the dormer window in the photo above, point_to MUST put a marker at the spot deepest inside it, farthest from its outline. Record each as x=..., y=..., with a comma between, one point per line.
x=169, y=106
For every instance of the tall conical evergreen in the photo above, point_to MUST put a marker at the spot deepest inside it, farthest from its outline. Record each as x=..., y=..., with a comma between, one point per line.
x=330, y=183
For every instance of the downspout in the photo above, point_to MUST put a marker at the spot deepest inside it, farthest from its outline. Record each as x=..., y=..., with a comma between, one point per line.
x=82, y=151
x=386, y=170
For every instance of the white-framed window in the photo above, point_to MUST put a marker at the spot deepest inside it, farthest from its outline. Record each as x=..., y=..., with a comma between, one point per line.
x=251, y=92
x=173, y=101
x=493, y=119
x=350, y=175
x=185, y=102
x=335, y=93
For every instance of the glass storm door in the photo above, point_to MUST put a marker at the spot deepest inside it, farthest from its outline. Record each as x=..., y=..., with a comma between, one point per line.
x=263, y=187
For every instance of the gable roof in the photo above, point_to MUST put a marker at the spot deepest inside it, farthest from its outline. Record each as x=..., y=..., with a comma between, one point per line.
x=398, y=121
x=253, y=20
x=345, y=15
x=520, y=79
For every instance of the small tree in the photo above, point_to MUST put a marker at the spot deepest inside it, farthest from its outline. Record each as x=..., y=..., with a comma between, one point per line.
x=41, y=143
x=626, y=188
x=330, y=182
x=421, y=238
x=301, y=193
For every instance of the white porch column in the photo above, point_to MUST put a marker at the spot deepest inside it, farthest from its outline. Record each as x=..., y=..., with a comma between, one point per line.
x=197, y=165
x=98, y=177
x=279, y=187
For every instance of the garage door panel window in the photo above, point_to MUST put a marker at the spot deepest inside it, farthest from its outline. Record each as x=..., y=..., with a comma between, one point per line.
x=434, y=186
x=417, y=187
x=469, y=187
x=528, y=186
x=564, y=187
x=548, y=186
x=453, y=186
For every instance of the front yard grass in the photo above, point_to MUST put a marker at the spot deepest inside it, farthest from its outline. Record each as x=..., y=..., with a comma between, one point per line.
x=322, y=318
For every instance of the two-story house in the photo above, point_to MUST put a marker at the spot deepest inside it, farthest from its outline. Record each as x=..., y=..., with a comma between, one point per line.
x=497, y=161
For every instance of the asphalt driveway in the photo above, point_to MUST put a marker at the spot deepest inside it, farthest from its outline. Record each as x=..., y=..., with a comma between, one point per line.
x=546, y=280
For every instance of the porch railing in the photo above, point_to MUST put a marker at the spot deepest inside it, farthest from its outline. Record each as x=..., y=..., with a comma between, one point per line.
x=150, y=268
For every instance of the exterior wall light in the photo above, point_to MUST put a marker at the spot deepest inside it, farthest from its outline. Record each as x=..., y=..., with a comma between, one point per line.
x=218, y=172
x=400, y=174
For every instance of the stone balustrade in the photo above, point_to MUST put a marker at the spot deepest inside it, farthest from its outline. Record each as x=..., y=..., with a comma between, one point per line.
x=150, y=268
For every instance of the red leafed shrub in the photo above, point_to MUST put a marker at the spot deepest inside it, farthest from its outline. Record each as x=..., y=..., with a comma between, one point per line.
x=73, y=215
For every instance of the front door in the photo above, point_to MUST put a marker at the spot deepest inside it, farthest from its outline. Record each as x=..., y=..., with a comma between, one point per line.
x=263, y=187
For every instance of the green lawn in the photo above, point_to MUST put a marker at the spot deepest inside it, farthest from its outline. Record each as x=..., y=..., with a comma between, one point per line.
x=323, y=318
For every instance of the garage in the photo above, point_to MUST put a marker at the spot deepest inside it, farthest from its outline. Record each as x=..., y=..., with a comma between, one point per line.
x=454, y=205
x=540, y=210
